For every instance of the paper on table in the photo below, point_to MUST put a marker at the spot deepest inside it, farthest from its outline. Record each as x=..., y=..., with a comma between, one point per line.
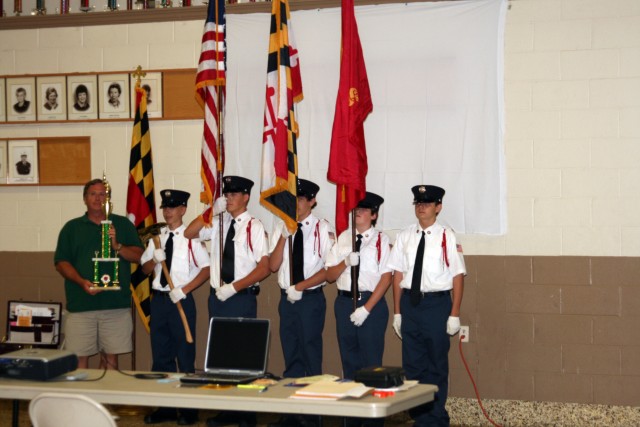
x=315, y=379
x=332, y=390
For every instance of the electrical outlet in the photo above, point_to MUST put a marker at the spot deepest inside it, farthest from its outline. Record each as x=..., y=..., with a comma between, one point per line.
x=464, y=333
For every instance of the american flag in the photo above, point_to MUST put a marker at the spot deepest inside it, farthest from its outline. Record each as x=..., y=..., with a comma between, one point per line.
x=279, y=142
x=210, y=94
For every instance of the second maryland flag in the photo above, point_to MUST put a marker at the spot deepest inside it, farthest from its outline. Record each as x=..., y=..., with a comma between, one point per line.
x=348, y=156
x=141, y=205
x=278, y=190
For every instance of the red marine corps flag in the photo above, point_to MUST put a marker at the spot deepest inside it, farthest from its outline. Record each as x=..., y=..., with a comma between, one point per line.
x=210, y=94
x=278, y=190
x=348, y=156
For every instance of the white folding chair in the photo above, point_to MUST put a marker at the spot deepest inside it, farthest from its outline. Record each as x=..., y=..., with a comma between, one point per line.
x=68, y=410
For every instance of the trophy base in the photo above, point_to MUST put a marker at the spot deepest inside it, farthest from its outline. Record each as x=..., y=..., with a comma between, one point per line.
x=104, y=288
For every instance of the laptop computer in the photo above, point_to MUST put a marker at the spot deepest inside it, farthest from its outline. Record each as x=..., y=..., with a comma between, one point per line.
x=237, y=351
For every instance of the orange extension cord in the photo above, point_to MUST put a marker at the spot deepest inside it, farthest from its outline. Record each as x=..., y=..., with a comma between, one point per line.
x=475, y=388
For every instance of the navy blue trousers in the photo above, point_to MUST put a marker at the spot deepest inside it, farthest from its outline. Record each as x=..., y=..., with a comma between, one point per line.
x=425, y=353
x=239, y=305
x=360, y=346
x=301, y=326
x=168, y=339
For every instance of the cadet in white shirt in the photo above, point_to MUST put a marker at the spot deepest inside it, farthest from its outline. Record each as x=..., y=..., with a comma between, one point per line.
x=188, y=263
x=302, y=306
x=235, y=283
x=428, y=283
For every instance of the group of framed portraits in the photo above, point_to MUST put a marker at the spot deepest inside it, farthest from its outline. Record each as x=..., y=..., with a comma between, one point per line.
x=76, y=97
x=19, y=162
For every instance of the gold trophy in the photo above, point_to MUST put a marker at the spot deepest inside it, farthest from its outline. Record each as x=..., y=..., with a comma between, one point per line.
x=106, y=282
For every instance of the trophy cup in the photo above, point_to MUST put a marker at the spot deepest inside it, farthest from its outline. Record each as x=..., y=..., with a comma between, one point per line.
x=106, y=282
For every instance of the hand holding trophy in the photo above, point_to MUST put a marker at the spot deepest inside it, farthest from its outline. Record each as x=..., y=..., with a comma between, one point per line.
x=106, y=282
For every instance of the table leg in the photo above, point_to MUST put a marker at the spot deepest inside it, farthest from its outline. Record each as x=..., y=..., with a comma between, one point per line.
x=16, y=413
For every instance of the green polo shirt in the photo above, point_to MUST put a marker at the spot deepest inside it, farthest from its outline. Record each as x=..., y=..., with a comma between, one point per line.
x=78, y=242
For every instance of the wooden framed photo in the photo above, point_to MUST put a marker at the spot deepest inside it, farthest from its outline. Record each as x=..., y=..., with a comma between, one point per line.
x=152, y=84
x=82, y=97
x=114, y=93
x=20, y=99
x=23, y=161
x=3, y=102
x=3, y=162
x=52, y=97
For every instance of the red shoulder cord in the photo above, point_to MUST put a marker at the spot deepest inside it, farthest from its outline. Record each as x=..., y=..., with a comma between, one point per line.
x=379, y=247
x=249, y=234
x=316, y=239
x=445, y=258
x=192, y=256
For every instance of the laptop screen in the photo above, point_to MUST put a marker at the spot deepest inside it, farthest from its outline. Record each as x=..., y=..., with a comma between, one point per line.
x=237, y=345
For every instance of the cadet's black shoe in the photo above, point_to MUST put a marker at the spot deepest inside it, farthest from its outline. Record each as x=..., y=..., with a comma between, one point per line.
x=224, y=418
x=161, y=415
x=187, y=417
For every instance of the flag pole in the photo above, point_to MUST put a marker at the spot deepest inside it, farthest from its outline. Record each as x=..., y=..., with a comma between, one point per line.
x=354, y=273
x=219, y=175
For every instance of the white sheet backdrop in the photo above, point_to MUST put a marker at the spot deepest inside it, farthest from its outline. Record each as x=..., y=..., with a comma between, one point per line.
x=435, y=71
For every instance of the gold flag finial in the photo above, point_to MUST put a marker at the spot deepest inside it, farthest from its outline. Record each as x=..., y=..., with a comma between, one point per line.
x=139, y=74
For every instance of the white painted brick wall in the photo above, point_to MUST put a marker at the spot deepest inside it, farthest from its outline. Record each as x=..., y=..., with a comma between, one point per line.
x=572, y=83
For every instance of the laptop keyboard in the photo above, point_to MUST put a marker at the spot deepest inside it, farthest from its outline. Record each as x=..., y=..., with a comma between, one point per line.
x=217, y=378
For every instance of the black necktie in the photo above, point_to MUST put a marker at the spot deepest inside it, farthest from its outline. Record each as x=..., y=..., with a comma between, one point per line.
x=358, y=245
x=227, y=274
x=298, y=256
x=417, y=273
x=168, y=250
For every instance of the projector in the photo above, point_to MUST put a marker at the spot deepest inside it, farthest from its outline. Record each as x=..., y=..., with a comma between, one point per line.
x=38, y=364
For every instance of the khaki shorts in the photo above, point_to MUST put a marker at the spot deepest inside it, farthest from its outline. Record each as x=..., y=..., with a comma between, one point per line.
x=88, y=332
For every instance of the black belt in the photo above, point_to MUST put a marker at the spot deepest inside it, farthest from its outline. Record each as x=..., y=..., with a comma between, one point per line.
x=251, y=290
x=428, y=294
x=305, y=292
x=160, y=293
x=349, y=294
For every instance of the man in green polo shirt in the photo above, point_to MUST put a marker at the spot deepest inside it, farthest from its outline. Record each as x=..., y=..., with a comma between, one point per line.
x=98, y=321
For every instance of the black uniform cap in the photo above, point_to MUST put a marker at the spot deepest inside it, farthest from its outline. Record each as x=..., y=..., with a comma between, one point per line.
x=427, y=194
x=173, y=198
x=371, y=201
x=307, y=188
x=236, y=184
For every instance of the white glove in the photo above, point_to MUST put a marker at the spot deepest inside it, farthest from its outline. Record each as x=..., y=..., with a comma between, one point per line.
x=397, y=322
x=225, y=292
x=293, y=294
x=359, y=316
x=220, y=205
x=352, y=259
x=453, y=325
x=284, y=231
x=159, y=256
x=176, y=295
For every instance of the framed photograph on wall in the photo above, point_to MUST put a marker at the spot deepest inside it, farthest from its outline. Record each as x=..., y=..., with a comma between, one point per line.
x=152, y=84
x=114, y=93
x=23, y=161
x=52, y=97
x=82, y=97
x=3, y=162
x=21, y=99
x=3, y=102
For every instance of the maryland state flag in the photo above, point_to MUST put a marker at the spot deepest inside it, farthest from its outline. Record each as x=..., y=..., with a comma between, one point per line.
x=141, y=205
x=278, y=190
x=348, y=157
